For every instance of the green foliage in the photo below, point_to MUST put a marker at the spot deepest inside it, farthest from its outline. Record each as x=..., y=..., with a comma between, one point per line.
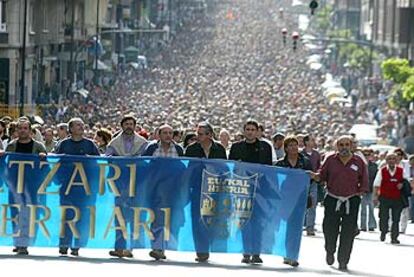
x=340, y=33
x=356, y=56
x=323, y=19
x=397, y=70
x=408, y=89
x=400, y=72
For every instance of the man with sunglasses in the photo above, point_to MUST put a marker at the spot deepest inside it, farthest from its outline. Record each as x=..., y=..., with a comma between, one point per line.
x=346, y=177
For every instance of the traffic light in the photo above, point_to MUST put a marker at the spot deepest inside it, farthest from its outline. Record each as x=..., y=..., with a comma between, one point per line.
x=313, y=5
x=295, y=38
x=284, y=34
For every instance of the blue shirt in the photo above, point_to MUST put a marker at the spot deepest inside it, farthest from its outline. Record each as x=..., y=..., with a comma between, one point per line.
x=81, y=147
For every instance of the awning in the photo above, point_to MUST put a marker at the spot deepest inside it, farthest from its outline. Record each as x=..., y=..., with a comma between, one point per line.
x=101, y=66
x=83, y=92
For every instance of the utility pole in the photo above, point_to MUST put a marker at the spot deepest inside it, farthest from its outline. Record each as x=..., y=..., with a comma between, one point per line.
x=96, y=41
x=23, y=69
x=72, y=71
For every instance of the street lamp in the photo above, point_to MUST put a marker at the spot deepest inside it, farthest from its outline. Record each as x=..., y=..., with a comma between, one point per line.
x=295, y=38
x=284, y=34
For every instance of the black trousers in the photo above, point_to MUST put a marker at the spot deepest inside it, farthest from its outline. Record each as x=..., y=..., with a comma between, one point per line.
x=396, y=207
x=338, y=222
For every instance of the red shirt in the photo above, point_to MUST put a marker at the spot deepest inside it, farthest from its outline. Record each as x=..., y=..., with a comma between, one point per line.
x=389, y=183
x=345, y=180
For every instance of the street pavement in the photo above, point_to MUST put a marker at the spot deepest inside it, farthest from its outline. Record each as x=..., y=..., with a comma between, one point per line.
x=370, y=257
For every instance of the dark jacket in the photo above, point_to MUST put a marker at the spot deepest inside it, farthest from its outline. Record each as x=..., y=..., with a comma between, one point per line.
x=302, y=163
x=153, y=146
x=405, y=193
x=263, y=149
x=38, y=147
x=372, y=172
x=195, y=150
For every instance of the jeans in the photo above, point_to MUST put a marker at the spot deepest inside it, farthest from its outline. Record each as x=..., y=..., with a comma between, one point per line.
x=367, y=203
x=311, y=212
x=411, y=200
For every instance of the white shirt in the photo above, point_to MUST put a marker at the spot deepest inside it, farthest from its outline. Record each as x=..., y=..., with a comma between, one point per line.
x=378, y=177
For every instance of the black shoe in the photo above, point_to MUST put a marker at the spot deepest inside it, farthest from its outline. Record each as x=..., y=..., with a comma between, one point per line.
x=74, y=252
x=363, y=230
x=343, y=267
x=330, y=259
x=382, y=236
x=310, y=233
x=157, y=254
x=371, y=229
x=15, y=249
x=63, y=250
x=356, y=232
x=256, y=259
x=22, y=251
x=246, y=259
x=202, y=257
x=290, y=262
x=395, y=241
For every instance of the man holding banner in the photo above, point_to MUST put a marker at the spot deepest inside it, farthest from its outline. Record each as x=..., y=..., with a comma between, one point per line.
x=252, y=150
x=346, y=175
x=76, y=144
x=167, y=148
x=23, y=144
x=127, y=143
x=205, y=147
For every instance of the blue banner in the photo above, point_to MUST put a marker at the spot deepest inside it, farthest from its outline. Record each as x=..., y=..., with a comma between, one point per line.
x=161, y=203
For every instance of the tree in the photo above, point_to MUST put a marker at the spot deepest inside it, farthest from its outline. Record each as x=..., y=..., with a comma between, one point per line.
x=400, y=72
x=396, y=70
x=408, y=89
x=323, y=19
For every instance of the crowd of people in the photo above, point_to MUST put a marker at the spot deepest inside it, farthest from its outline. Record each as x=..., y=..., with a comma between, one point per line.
x=225, y=68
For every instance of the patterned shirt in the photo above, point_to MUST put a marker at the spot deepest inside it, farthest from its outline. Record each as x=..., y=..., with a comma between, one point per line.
x=171, y=153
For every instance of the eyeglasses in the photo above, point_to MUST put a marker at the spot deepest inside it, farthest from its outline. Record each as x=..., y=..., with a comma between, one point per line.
x=202, y=134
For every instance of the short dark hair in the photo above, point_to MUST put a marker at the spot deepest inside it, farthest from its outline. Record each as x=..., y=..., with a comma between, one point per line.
x=251, y=122
x=261, y=128
x=306, y=138
x=206, y=126
x=128, y=117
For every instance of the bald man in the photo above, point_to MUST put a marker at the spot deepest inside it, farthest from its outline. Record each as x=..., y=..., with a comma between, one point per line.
x=346, y=178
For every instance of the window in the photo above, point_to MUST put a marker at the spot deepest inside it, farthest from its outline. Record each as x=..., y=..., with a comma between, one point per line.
x=3, y=22
x=45, y=17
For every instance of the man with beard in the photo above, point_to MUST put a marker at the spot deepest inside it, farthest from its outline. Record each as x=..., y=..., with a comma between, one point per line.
x=126, y=143
x=346, y=175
